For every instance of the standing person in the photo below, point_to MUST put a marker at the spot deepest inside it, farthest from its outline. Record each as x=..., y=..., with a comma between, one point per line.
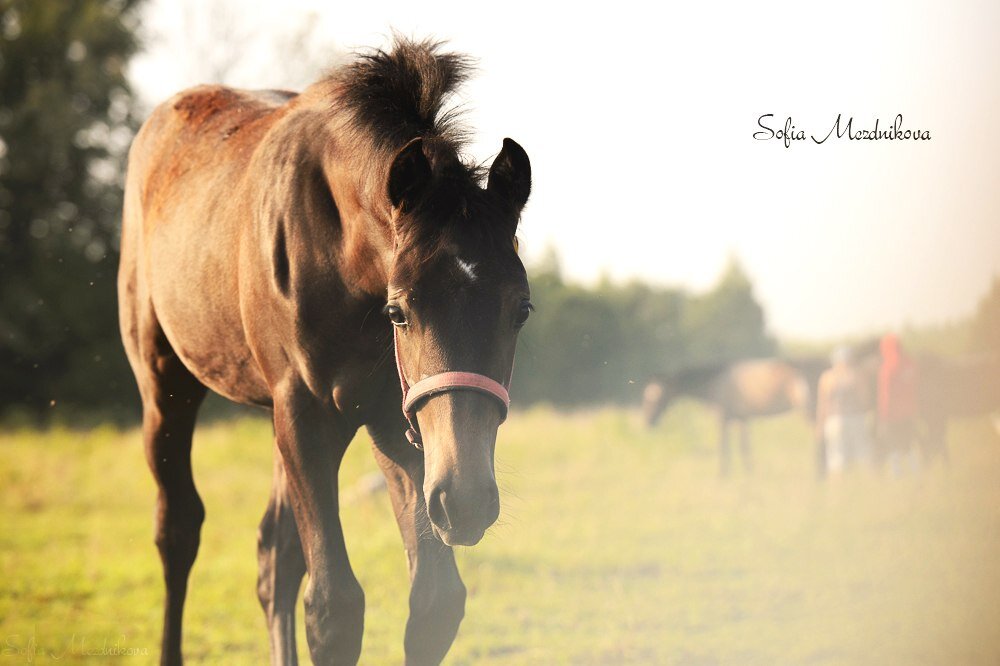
x=840, y=413
x=897, y=405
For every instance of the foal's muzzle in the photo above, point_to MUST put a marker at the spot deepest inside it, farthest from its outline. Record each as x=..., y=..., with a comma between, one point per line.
x=463, y=522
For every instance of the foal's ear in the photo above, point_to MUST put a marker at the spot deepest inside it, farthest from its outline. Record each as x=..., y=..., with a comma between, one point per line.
x=409, y=174
x=510, y=174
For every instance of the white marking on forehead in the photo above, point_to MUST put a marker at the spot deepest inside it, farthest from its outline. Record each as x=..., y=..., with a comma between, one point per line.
x=467, y=267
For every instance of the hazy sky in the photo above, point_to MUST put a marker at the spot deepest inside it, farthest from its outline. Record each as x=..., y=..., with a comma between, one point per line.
x=640, y=123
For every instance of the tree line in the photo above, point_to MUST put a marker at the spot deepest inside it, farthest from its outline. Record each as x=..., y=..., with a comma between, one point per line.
x=67, y=116
x=66, y=120
x=586, y=345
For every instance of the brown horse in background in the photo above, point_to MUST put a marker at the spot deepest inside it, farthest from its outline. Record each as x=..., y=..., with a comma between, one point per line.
x=947, y=388
x=263, y=235
x=737, y=392
x=951, y=388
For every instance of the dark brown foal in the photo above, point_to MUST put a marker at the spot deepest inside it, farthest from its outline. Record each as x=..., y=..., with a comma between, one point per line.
x=263, y=234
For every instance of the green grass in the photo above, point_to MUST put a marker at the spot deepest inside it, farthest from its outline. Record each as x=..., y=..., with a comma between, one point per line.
x=616, y=546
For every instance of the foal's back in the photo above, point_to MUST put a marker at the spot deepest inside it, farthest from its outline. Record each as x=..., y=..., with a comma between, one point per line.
x=197, y=141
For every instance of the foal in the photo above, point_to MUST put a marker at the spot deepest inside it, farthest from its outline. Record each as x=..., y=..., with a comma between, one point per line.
x=281, y=250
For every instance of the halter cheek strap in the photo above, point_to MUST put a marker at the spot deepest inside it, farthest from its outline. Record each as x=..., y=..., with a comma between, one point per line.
x=442, y=383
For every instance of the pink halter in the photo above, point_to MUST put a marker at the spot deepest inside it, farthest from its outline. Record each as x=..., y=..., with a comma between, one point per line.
x=442, y=383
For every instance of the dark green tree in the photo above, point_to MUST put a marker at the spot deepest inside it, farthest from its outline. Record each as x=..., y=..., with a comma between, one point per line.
x=727, y=323
x=66, y=121
x=589, y=345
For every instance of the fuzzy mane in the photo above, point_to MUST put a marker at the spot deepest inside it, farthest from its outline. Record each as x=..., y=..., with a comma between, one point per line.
x=396, y=95
x=386, y=98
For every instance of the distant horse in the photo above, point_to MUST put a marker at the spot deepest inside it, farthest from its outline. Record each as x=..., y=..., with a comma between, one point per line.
x=263, y=235
x=950, y=388
x=810, y=368
x=738, y=392
x=947, y=388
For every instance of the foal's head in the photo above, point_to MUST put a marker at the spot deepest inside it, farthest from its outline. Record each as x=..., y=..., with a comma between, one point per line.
x=458, y=295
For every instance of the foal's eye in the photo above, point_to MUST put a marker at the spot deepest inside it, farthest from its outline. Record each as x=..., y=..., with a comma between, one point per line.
x=523, y=313
x=395, y=315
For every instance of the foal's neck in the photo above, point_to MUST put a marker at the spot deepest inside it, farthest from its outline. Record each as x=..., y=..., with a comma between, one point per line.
x=368, y=238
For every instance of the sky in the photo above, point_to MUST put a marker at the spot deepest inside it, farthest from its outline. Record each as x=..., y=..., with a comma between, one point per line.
x=640, y=122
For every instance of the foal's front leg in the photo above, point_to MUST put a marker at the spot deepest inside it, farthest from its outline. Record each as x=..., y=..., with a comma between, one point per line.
x=437, y=594
x=281, y=566
x=312, y=439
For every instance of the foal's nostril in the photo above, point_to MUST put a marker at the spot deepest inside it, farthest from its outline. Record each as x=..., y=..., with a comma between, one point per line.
x=435, y=509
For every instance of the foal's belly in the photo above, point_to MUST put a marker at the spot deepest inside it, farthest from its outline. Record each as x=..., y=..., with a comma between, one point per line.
x=190, y=166
x=193, y=284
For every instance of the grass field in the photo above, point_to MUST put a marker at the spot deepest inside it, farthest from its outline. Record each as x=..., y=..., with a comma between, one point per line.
x=615, y=546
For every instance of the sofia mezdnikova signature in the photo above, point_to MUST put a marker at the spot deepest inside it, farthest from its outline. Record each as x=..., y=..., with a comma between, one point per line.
x=789, y=133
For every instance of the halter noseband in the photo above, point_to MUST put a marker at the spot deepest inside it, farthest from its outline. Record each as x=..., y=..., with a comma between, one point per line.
x=442, y=383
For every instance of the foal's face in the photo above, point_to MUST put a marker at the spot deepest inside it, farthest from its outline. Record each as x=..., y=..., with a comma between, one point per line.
x=458, y=295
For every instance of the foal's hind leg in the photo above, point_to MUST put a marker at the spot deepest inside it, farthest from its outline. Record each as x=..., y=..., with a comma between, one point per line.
x=437, y=594
x=281, y=568
x=170, y=400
